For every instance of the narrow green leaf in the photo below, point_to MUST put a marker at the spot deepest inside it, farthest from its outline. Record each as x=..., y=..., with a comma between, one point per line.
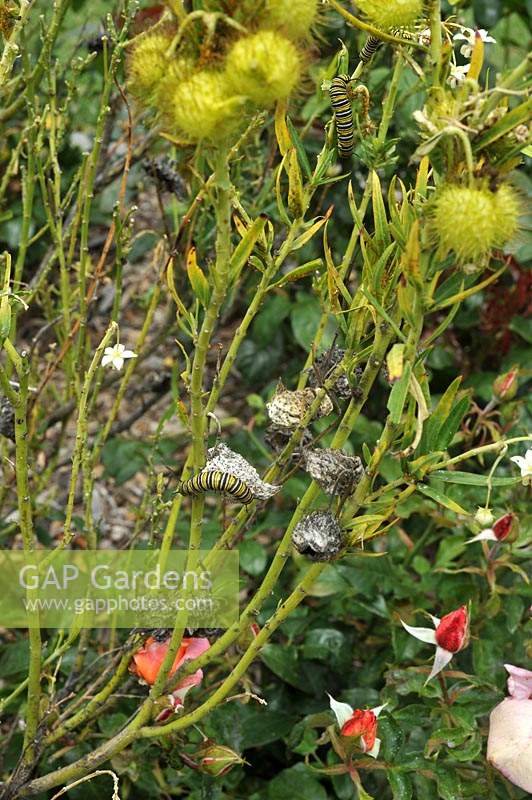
x=300, y=272
x=452, y=423
x=382, y=236
x=245, y=247
x=398, y=395
x=472, y=479
x=300, y=150
x=440, y=414
x=441, y=499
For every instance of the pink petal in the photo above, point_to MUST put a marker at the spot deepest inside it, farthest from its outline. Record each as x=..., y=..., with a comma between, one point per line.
x=440, y=662
x=196, y=647
x=423, y=634
x=510, y=741
x=185, y=685
x=519, y=682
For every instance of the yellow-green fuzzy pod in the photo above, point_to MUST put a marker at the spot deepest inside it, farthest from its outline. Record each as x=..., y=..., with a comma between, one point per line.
x=294, y=17
x=472, y=221
x=147, y=64
x=202, y=107
x=391, y=13
x=265, y=67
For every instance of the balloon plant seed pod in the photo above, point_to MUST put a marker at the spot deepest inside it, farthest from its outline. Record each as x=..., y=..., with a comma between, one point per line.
x=221, y=458
x=322, y=369
x=287, y=408
x=148, y=63
x=472, y=221
x=295, y=18
x=277, y=437
x=387, y=14
x=7, y=419
x=336, y=472
x=318, y=536
x=202, y=106
x=264, y=67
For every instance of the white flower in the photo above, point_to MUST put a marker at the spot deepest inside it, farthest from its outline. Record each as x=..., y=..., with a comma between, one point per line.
x=425, y=37
x=525, y=465
x=457, y=75
x=116, y=355
x=468, y=35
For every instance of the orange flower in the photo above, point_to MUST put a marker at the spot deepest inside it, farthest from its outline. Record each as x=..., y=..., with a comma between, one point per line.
x=147, y=663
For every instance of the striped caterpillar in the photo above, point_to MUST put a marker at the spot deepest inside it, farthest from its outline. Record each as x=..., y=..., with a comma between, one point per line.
x=216, y=481
x=341, y=104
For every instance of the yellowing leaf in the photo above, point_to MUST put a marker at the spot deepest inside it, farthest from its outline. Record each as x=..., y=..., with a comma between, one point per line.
x=198, y=281
x=395, y=362
x=296, y=196
x=281, y=128
x=477, y=58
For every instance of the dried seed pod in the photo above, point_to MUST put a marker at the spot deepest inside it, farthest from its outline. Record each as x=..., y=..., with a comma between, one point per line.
x=318, y=536
x=277, y=437
x=336, y=472
x=221, y=458
x=287, y=408
x=322, y=368
x=7, y=419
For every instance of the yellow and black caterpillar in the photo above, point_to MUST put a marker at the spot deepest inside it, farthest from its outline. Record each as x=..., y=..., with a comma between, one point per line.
x=371, y=46
x=216, y=481
x=339, y=94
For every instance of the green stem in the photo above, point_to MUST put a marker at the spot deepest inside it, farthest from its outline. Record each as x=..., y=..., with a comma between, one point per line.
x=435, y=40
x=81, y=433
x=21, y=365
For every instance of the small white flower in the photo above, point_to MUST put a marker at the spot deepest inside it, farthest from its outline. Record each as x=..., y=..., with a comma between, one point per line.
x=457, y=74
x=425, y=37
x=525, y=465
x=468, y=35
x=116, y=355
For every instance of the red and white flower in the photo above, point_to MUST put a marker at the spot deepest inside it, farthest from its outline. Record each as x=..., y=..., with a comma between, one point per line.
x=499, y=531
x=450, y=635
x=148, y=660
x=510, y=731
x=358, y=723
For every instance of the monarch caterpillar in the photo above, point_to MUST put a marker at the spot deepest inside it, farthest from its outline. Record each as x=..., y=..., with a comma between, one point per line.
x=344, y=114
x=216, y=481
x=371, y=46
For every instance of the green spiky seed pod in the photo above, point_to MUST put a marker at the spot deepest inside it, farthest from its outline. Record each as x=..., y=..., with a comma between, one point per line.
x=265, y=67
x=472, y=221
x=387, y=14
x=202, y=107
x=148, y=64
x=294, y=18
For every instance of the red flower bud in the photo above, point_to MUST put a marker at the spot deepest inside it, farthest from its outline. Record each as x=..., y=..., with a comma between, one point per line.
x=452, y=630
x=363, y=724
x=505, y=386
x=503, y=527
